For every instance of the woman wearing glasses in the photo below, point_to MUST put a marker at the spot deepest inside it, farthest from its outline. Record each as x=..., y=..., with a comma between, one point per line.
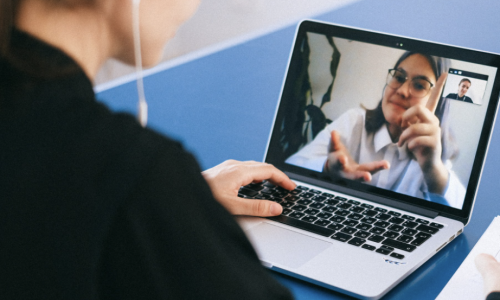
x=400, y=145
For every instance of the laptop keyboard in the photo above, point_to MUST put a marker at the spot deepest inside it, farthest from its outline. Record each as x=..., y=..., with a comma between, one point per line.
x=350, y=221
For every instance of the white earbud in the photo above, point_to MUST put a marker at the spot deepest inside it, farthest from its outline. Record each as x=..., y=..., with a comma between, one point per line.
x=142, y=106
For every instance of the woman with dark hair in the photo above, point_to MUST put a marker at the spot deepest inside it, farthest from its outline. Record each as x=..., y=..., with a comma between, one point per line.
x=93, y=205
x=402, y=145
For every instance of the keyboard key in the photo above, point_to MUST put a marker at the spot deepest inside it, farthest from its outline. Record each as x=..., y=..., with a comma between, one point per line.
x=332, y=202
x=396, y=228
x=418, y=241
x=304, y=202
x=397, y=255
x=427, y=229
x=369, y=220
x=339, y=236
x=355, y=216
x=303, y=225
x=376, y=238
x=364, y=227
x=335, y=226
x=370, y=213
x=362, y=234
x=410, y=232
x=421, y=221
x=354, y=202
x=368, y=247
x=248, y=192
x=292, y=198
x=410, y=224
x=407, y=217
x=299, y=207
x=380, y=209
x=391, y=234
x=377, y=230
x=350, y=223
x=328, y=195
x=322, y=223
x=341, y=198
x=324, y=215
x=383, y=217
x=356, y=241
x=344, y=205
x=357, y=209
x=317, y=205
x=396, y=220
x=318, y=198
x=315, y=191
x=367, y=206
x=296, y=215
x=342, y=212
x=349, y=230
x=337, y=219
x=383, y=251
x=382, y=224
x=438, y=226
x=286, y=211
x=287, y=204
x=398, y=245
x=329, y=209
x=309, y=219
x=307, y=195
x=301, y=187
x=393, y=213
x=423, y=235
x=405, y=238
x=311, y=211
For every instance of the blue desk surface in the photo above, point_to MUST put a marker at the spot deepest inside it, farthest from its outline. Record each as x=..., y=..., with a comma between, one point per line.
x=222, y=105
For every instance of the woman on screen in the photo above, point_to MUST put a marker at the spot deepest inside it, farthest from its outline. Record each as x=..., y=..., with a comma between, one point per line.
x=402, y=145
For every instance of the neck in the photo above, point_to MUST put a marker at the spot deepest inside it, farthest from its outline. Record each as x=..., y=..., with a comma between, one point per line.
x=80, y=32
x=394, y=132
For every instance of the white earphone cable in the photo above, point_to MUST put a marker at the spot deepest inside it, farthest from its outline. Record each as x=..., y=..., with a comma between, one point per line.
x=142, y=106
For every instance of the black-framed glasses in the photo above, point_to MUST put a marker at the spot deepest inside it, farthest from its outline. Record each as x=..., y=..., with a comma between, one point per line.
x=419, y=86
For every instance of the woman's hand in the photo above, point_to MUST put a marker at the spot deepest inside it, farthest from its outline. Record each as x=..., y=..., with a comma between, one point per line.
x=340, y=162
x=489, y=268
x=226, y=179
x=422, y=134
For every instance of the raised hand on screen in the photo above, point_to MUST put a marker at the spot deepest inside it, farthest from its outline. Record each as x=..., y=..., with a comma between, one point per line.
x=340, y=162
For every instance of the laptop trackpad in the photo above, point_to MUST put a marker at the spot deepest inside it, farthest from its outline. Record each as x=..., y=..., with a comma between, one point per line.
x=278, y=245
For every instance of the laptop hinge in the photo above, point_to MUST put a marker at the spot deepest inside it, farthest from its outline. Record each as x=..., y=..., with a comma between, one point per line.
x=378, y=199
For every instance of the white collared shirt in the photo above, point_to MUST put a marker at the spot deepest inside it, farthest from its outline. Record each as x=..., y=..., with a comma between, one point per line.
x=404, y=175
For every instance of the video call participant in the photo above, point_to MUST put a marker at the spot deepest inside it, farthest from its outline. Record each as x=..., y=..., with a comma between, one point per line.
x=94, y=206
x=463, y=87
x=399, y=145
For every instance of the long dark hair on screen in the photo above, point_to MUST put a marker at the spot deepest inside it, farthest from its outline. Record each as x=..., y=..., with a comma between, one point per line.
x=375, y=117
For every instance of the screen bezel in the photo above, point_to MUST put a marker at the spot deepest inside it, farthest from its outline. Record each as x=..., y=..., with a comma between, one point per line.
x=403, y=43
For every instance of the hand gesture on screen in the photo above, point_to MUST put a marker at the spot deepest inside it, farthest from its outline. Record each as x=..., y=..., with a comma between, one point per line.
x=340, y=162
x=489, y=268
x=226, y=179
x=422, y=135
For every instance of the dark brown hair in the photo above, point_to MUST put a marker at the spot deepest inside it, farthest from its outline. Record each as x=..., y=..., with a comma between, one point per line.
x=464, y=79
x=375, y=117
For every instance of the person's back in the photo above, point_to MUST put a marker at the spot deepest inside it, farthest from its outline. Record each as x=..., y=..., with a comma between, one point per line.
x=93, y=206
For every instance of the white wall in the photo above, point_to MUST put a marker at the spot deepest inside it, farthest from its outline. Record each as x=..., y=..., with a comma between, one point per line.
x=220, y=21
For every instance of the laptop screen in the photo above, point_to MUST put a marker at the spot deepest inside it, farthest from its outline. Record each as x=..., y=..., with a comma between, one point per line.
x=365, y=110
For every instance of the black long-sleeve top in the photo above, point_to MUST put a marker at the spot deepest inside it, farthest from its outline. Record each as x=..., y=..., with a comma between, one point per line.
x=93, y=206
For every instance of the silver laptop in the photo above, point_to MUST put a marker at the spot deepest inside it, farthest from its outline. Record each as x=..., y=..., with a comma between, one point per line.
x=387, y=167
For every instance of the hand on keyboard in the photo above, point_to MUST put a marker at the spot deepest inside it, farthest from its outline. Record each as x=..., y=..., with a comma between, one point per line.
x=226, y=179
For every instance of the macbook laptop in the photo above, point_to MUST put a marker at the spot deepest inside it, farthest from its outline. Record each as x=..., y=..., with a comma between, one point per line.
x=387, y=164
